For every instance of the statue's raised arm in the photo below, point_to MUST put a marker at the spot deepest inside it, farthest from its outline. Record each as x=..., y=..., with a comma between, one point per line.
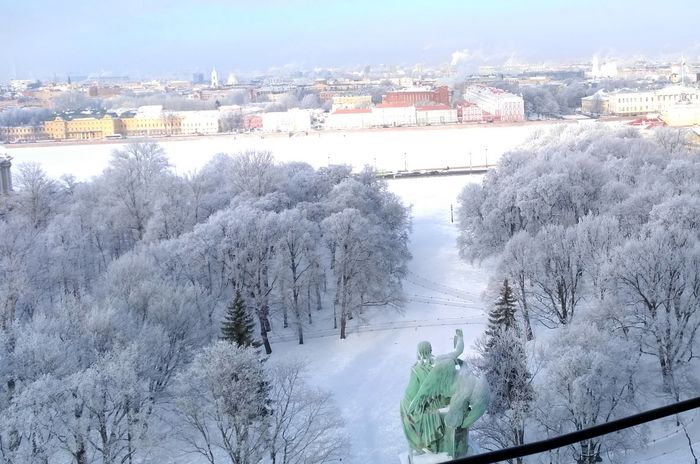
x=458, y=345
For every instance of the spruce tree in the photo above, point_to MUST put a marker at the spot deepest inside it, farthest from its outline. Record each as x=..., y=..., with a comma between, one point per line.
x=502, y=315
x=238, y=325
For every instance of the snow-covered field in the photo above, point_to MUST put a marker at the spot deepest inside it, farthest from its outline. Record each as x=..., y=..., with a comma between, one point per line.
x=387, y=149
x=368, y=372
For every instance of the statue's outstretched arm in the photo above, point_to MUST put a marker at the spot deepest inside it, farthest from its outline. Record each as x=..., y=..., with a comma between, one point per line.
x=458, y=345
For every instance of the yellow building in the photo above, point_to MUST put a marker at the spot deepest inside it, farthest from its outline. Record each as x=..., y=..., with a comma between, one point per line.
x=80, y=128
x=168, y=124
x=349, y=102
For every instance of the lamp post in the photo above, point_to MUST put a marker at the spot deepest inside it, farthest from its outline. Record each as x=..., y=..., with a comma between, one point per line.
x=329, y=160
x=470, y=160
x=487, y=158
x=405, y=162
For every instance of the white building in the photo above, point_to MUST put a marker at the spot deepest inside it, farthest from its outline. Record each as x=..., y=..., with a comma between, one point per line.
x=435, y=115
x=607, y=70
x=199, y=122
x=471, y=112
x=388, y=115
x=499, y=104
x=294, y=120
x=631, y=102
x=356, y=118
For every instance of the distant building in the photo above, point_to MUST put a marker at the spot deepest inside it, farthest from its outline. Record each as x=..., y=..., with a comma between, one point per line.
x=198, y=78
x=22, y=134
x=293, y=120
x=199, y=122
x=214, y=79
x=351, y=118
x=347, y=102
x=81, y=128
x=498, y=104
x=684, y=113
x=5, y=175
x=441, y=95
x=598, y=103
x=252, y=122
x=393, y=115
x=607, y=70
x=632, y=102
x=469, y=112
x=435, y=115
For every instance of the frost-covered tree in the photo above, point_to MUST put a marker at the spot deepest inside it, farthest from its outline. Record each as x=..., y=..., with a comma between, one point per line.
x=222, y=401
x=132, y=179
x=361, y=264
x=556, y=276
x=36, y=193
x=306, y=427
x=254, y=172
x=588, y=379
x=297, y=256
x=655, y=278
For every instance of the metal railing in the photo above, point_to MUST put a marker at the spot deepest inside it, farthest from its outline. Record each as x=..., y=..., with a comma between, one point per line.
x=578, y=436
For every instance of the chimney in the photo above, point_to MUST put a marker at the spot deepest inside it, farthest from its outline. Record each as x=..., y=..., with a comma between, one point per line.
x=5, y=175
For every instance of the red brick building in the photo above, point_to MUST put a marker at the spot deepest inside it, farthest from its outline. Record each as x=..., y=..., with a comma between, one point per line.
x=441, y=95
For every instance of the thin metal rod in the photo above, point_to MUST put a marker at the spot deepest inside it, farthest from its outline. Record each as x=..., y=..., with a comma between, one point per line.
x=581, y=435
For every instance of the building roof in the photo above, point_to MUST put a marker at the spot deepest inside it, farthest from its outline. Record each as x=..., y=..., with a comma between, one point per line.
x=352, y=111
x=394, y=105
x=432, y=107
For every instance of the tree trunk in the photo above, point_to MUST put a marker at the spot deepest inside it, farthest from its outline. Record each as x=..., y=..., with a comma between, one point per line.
x=263, y=332
x=318, y=297
x=343, y=324
x=308, y=302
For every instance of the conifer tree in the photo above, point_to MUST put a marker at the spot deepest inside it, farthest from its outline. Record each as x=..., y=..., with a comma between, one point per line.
x=502, y=315
x=504, y=364
x=238, y=325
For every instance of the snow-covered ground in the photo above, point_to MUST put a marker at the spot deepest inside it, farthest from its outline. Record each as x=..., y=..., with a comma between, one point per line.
x=385, y=149
x=368, y=371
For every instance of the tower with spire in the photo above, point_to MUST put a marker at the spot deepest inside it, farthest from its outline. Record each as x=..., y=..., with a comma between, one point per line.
x=214, y=79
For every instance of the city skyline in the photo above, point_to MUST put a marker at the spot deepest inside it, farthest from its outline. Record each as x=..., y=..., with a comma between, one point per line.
x=177, y=36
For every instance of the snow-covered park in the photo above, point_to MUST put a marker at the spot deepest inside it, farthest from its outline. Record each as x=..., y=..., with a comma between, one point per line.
x=367, y=372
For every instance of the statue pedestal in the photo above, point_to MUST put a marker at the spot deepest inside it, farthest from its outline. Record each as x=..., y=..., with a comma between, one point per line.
x=427, y=458
x=435, y=458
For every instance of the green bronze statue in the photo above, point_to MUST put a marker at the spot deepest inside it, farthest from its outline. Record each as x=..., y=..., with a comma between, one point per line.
x=442, y=400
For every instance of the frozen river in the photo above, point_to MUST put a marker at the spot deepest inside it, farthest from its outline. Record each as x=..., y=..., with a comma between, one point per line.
x=384, y=149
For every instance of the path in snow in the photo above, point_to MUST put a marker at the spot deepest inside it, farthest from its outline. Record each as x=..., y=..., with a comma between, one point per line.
x=368, y=372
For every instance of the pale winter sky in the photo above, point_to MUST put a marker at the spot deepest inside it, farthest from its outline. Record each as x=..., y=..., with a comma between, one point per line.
x=43, y=37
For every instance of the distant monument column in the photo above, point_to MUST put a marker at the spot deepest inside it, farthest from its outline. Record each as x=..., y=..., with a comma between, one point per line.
x=5, y=175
